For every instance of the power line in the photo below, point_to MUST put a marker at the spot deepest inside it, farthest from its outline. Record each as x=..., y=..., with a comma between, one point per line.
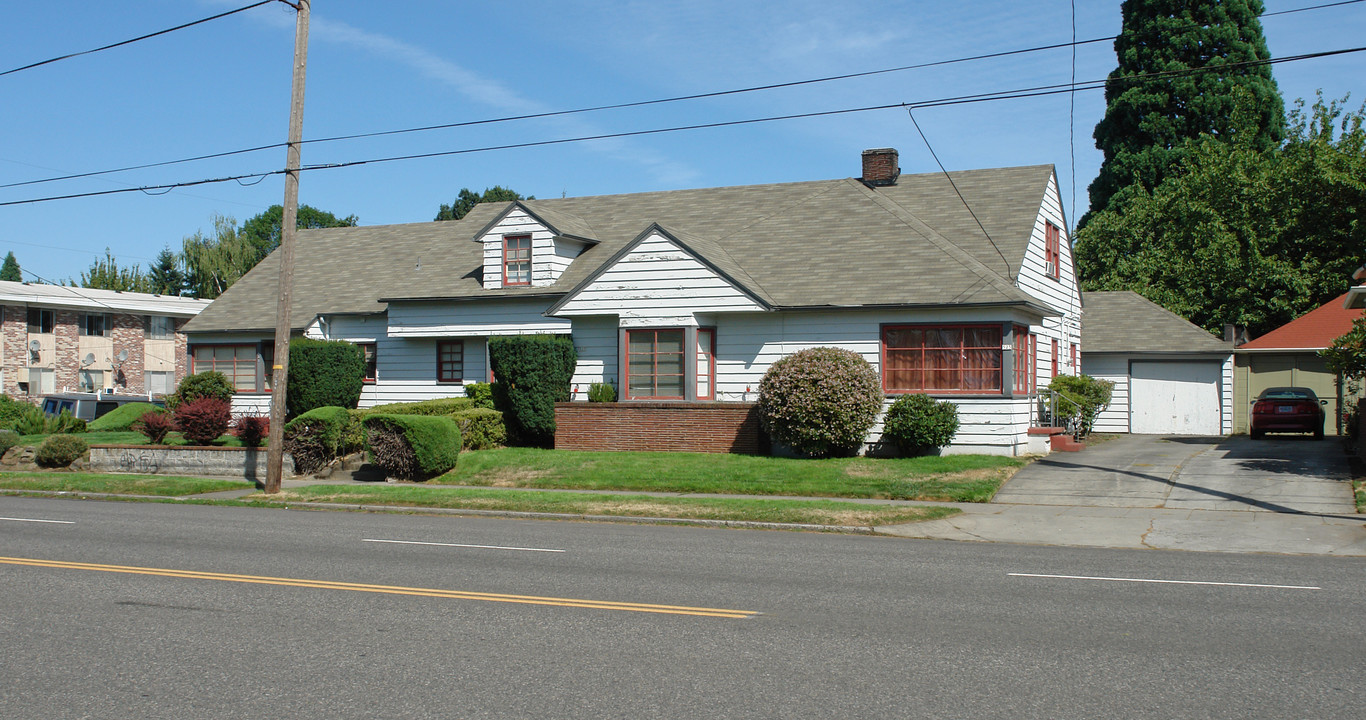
x=1037, y=91
x=1074, y=44
x=49, y=61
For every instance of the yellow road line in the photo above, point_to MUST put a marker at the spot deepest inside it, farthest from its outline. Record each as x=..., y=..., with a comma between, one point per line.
x=387, y=589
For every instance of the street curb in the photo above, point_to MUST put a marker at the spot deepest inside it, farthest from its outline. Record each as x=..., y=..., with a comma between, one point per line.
x=471, y=512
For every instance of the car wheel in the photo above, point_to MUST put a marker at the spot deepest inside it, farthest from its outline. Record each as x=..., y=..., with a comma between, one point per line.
x=1318, y=433
x=1256, y=434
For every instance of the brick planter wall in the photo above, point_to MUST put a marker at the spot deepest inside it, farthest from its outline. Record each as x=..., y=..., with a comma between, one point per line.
x=715, y=427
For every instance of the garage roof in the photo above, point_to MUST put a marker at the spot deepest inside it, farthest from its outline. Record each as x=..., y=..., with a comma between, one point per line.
x=1314, y=330
x=1122, y=321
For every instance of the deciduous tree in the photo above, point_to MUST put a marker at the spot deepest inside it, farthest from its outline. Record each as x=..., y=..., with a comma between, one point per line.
x=467, y=199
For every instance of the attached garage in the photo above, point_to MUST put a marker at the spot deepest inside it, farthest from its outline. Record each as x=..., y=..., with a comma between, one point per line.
x=1171, y=377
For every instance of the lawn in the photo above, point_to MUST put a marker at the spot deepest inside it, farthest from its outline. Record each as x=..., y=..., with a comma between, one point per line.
x=117, y=484
x=776, y=510
x=962, y=478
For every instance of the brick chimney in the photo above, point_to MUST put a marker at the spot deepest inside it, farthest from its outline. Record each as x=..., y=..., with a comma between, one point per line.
x=880, y=167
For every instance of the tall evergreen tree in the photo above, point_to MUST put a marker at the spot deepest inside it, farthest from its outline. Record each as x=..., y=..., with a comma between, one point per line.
x=1148, y=120
x=165, y=276
x=11, y=269
x=467, y=199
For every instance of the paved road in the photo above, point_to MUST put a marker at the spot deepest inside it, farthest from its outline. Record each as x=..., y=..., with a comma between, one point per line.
x=846, y=626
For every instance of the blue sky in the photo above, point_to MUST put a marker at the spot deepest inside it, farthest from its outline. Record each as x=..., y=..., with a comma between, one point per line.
x=374, y=66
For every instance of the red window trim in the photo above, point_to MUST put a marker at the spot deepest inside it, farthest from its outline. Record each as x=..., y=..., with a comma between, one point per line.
x=626, y=372
x=1053, y=249
x=1000, y=358
x=1055, y=357
x=1026, y=361
x=711, y=363
x=441, y=345
x=506, y=238
x=262, y=381
x=368, y=378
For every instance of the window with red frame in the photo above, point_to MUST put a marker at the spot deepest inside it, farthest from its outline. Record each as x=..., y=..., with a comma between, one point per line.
x=941, y=358
x=1026, y=352
x=371, y=362
x=1076, y=369
x=654, y=364
x=1053, y=250
x=450, y=361
x=237, y=362
x=706, y=363
x=1055, y=358
x=517, y=260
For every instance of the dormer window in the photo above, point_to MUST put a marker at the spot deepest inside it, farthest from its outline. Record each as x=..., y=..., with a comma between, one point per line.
x=516, y=260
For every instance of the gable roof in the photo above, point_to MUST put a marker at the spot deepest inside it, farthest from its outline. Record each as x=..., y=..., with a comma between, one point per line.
x=1314, y=330
x=829, y=243
x=1122, y=321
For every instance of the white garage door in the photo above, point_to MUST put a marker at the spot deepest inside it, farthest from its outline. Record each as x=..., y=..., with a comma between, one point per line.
x=1176, y=398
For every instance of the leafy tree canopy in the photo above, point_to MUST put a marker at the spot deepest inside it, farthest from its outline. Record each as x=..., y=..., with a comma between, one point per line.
x=1348, y=354
x=11, y=271
x=467, y=199
x=1153, y=106
x=105, y=274
x=1241, y=235
x=214, y=262
x=263, y=231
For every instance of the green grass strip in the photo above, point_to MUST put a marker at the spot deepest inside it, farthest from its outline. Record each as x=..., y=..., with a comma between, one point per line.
x=118, y=484
x=957, y=478
x=814, y=512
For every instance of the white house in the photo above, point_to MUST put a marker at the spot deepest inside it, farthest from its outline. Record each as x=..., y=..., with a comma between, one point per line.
x=958, y=285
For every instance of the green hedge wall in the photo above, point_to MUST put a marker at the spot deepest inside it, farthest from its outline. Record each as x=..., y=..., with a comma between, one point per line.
x=534, y=372
x=323, y=373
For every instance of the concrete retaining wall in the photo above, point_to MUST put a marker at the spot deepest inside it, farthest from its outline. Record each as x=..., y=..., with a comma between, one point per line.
x=247, y=463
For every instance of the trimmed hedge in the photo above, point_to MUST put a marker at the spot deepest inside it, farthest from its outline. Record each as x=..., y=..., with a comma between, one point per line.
x=413, y=447
x=480, y=428
x=121, y=417
x=820, y=401
x=439, y=406
x=323, y=373
x=60, y=451
x=917, y=423
x=534, y=372
x=481, y=394
x=321, y=435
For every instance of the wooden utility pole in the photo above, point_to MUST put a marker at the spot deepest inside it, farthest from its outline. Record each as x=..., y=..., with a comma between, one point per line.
x=275, y=450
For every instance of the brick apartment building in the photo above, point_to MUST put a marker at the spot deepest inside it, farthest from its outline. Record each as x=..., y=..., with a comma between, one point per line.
x=69, y=339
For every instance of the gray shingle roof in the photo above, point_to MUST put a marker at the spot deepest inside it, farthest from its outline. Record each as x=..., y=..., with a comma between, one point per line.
x=1123, y=321
x=806, y=244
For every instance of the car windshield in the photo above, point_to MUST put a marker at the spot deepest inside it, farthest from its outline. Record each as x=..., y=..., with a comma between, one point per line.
x=1288, y=394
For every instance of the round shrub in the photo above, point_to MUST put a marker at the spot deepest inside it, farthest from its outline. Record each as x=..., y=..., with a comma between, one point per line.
x=917, y=424
x=821, y=401
x=321, y=435
x=155, y=424
x=210, y=383
x=252, y=431
x=203, y=420
x=60, y=451
x=413, y=447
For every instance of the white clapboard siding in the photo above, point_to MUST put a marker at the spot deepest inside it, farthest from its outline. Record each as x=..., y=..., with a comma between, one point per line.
x=1115, y=368
x=549, y=256
x=468, y=319
x=1061, y=294
x=407, y=371
x=1226, y=396
x=658, y=281
x=595, y=341
x=250, y=405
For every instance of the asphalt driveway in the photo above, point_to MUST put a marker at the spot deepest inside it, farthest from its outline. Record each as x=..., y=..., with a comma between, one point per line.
x=1284, y=474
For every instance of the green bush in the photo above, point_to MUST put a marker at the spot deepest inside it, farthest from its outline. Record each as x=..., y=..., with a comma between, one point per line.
x=323, y=373
x=12, y=411
x=60, y=451
x=122, y=417
x=34, y=422
x=321, y=435
x=481, y=428
x=602, y=392
x=413, y=447
x=209, y=383
x=917, y=424
x=820, y=401
x=534, y=373
x=1081, y=398
x=8, y=439
x=481, y=394
x=439, y=406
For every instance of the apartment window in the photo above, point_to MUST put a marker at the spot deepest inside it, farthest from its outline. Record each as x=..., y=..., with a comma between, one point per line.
x=41, y=381
x=1026, y=350
x=371, y=361
x=1053, y=250
x=90, y=380
x=96, y=325
x=941, y=358
x=159, y=382
x=39, y=321
x=450, y=361
x=158, y=328
x=517, y=260
x=237, y=362
x=654, y=364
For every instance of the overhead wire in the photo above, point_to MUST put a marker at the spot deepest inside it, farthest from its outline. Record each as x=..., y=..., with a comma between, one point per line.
x=140, y=38
x=1074, y=44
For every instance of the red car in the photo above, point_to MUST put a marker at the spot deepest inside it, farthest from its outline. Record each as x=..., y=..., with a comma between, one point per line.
x=1287, y=409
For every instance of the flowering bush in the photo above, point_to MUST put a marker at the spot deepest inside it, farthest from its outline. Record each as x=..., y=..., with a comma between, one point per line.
x=201, y=421
x=917, y=423
x=155, y=424
x=252, y=430
x=820, y=401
